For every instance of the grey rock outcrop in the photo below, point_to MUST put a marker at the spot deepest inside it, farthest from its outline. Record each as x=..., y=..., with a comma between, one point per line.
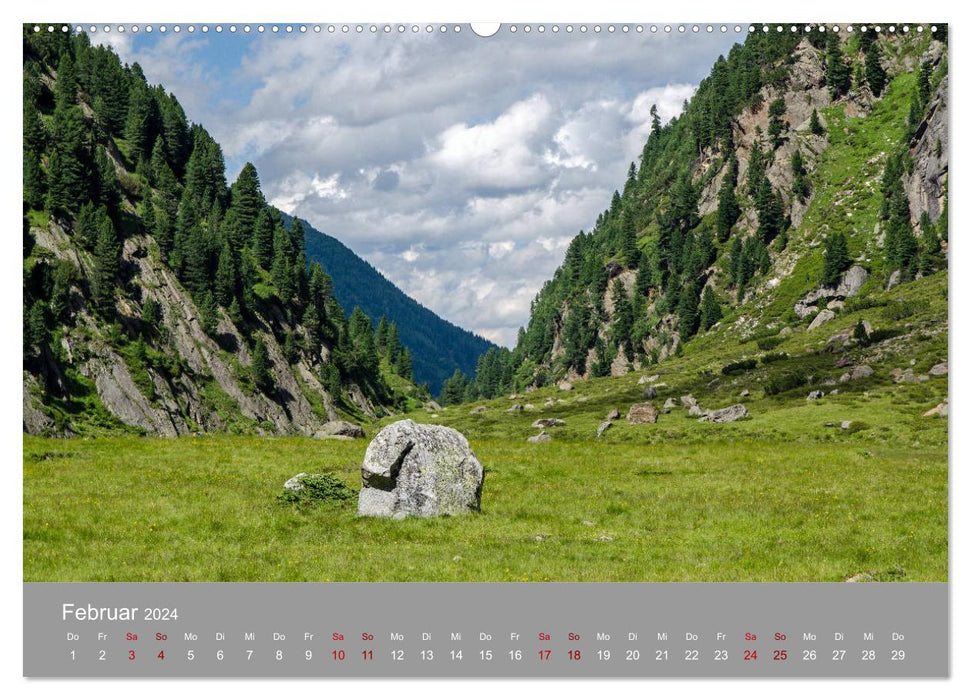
x=548, y=422
x=861, y=372
x=419, y=470
x=726, y=415
x=339, y=428
x=938, y=370
x=848, y=285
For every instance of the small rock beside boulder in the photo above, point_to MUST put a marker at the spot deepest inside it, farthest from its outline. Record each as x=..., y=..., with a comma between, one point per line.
x=604, y=427
x=815, y=395
x=339, y=429
x=419, y=470
x=315, y=488
x=668, y=405
x=613, y=415
x=642, y=413
x=542, y=437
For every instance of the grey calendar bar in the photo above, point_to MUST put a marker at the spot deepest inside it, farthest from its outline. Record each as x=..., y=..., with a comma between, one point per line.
x=485, y=630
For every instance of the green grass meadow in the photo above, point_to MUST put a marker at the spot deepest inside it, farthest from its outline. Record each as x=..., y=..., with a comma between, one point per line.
x=727, y=509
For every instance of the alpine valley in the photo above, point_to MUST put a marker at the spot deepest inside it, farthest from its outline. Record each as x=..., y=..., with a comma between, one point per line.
x=738, y=373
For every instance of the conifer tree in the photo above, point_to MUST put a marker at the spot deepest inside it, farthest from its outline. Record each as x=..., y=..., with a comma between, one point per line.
x=711, y=311
x=106, y=252
x=839, y=74
x=800, y=185
x=876, y=76
x=34, y=188
x=225, y=276
x=688, y=311
x=836, y=258
x=261, y=367
x=815, y=126
x=629, y=251
x=728, y=208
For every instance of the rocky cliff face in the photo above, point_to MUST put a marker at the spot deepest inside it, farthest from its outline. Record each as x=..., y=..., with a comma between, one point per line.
x=926, y=184
x=209, y=392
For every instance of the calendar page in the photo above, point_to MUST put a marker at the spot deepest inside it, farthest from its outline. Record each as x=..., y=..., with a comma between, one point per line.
x=491, y=351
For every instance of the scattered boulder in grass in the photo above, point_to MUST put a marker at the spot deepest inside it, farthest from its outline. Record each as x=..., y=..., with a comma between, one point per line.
x=860, y=578
x=824, y=316
x=846, y=424
x=689, y=401
x=419, y=470
x=476, y=410
x=548, y=423
x=649, y=392
x=613, y=415
x=695, y=410
x=743, y=393
x=726, y=415
x=668, y=405
x=315, y=488
x=815, y=395
x=642, y=413
x=938, y=370
x=515, y=408
x=565, y=386
x=542, y=437
x=432, y=406
x=604, y=427
x=647, y=379
x=938, y=410
x=907, y=376
x=550, y=403
x=339, y=429
x=861, y=372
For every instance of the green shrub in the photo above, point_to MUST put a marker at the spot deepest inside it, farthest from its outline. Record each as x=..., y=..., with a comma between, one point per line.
x=738, y=367
x=318, y=488
x=882, y=334
x=900, y=310
x=774, y=357
x=769, y=343
x=786, y=382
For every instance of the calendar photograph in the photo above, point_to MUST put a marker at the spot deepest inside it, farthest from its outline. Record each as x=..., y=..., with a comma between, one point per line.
x=527, y=303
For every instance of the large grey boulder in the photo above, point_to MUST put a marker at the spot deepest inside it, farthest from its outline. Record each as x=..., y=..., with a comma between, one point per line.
x=339, y=428
x=421, y=470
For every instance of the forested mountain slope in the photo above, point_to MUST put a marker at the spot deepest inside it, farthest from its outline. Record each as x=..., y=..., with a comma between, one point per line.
x=157, y=297
x=437, y=347
x=806, y=173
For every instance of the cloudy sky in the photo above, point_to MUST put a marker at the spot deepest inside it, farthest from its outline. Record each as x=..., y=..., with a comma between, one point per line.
x=459, y=166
